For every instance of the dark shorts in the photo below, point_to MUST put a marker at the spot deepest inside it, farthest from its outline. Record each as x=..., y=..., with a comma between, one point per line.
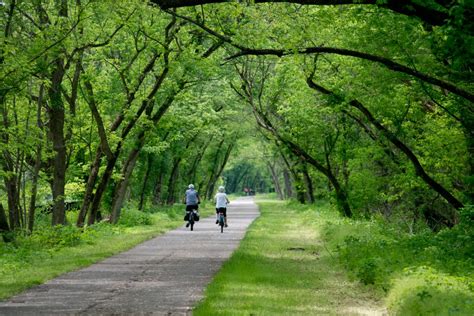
x=189, y=208
x=223, y=210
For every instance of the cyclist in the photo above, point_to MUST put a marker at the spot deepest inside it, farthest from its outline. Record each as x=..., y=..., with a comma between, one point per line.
x=192, y=200
x=221, y=204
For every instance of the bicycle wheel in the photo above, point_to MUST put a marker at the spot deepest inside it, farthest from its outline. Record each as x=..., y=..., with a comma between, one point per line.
x=221, y=222
x=191, y=222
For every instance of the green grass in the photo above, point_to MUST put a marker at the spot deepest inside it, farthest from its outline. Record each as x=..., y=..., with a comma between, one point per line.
x=32, y=260
x=283, y=268
x=421, y=274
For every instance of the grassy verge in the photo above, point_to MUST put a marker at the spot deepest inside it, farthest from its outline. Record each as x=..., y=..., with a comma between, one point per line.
x=282, y=267
x=49, y=252
x=420, y=274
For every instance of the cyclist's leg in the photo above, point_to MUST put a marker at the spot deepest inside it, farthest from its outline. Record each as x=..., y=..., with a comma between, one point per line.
x=217, y=215
x=225, y=216
x=195, y=209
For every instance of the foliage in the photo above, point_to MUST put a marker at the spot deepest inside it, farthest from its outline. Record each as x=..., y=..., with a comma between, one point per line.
x=425, y=291
x=133, y=217
x=423, y=273
x=122, y=105
x=105, y=54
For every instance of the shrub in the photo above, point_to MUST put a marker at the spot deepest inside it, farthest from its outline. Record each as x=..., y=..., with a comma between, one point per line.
x=132, y=217
x=418, y=270
x=425, y=291
x=52, y=237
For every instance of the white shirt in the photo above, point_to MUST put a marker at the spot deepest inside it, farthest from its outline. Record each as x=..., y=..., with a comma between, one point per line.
x=221, y=200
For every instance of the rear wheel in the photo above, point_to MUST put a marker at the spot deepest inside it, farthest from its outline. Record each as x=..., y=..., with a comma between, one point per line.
x=221, y=222
x=191, y=221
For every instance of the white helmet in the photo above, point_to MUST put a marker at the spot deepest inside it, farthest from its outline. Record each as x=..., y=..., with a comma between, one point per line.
x=221, y=189
x=191, y=186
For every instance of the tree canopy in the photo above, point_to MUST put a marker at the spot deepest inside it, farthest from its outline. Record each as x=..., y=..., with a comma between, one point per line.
x=366, y=103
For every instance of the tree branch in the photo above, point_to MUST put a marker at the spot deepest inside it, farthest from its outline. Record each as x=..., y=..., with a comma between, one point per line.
x=390, y=64
x=419, y=169
x=427, y=14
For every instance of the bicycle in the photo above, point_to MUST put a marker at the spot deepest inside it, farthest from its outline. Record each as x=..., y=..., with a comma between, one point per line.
x=222, y=221
x=191, y=217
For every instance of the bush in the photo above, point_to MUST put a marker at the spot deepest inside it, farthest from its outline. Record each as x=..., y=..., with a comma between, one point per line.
x=417, y=270
x=425, y=291
x=52, y=237
x=132, y=217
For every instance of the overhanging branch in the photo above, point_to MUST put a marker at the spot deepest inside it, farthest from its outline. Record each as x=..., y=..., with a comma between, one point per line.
x=388, y=63
x=425, y=13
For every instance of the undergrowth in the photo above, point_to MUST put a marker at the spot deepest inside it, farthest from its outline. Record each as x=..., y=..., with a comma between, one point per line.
x=421, y=274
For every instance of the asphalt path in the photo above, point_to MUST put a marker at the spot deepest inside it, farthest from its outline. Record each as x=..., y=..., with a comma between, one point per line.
x=163, y=276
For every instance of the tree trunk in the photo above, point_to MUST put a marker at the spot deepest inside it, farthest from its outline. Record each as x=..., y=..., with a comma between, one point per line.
x=34, y=188
x=88, y=195
x=13, y=203
x=344, y=156
x=288, y=187
x=104, y=181
x=3, y=220
x=8, y=167
x=309, y=184
x=468, y=128
x=288, y=173
x=121, y=187
x=37, y=166
x=56, y=134
x=299, y=187
x=238, y=180
x=145, y=181
x=341, y=195
x=208, y=192
x=171, y=198
x=158, y=189
x=215, y=176
x=56, y=125
x=197, y=160
x=276, y=181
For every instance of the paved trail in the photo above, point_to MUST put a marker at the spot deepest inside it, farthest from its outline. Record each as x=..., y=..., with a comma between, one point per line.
x=163, y=276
